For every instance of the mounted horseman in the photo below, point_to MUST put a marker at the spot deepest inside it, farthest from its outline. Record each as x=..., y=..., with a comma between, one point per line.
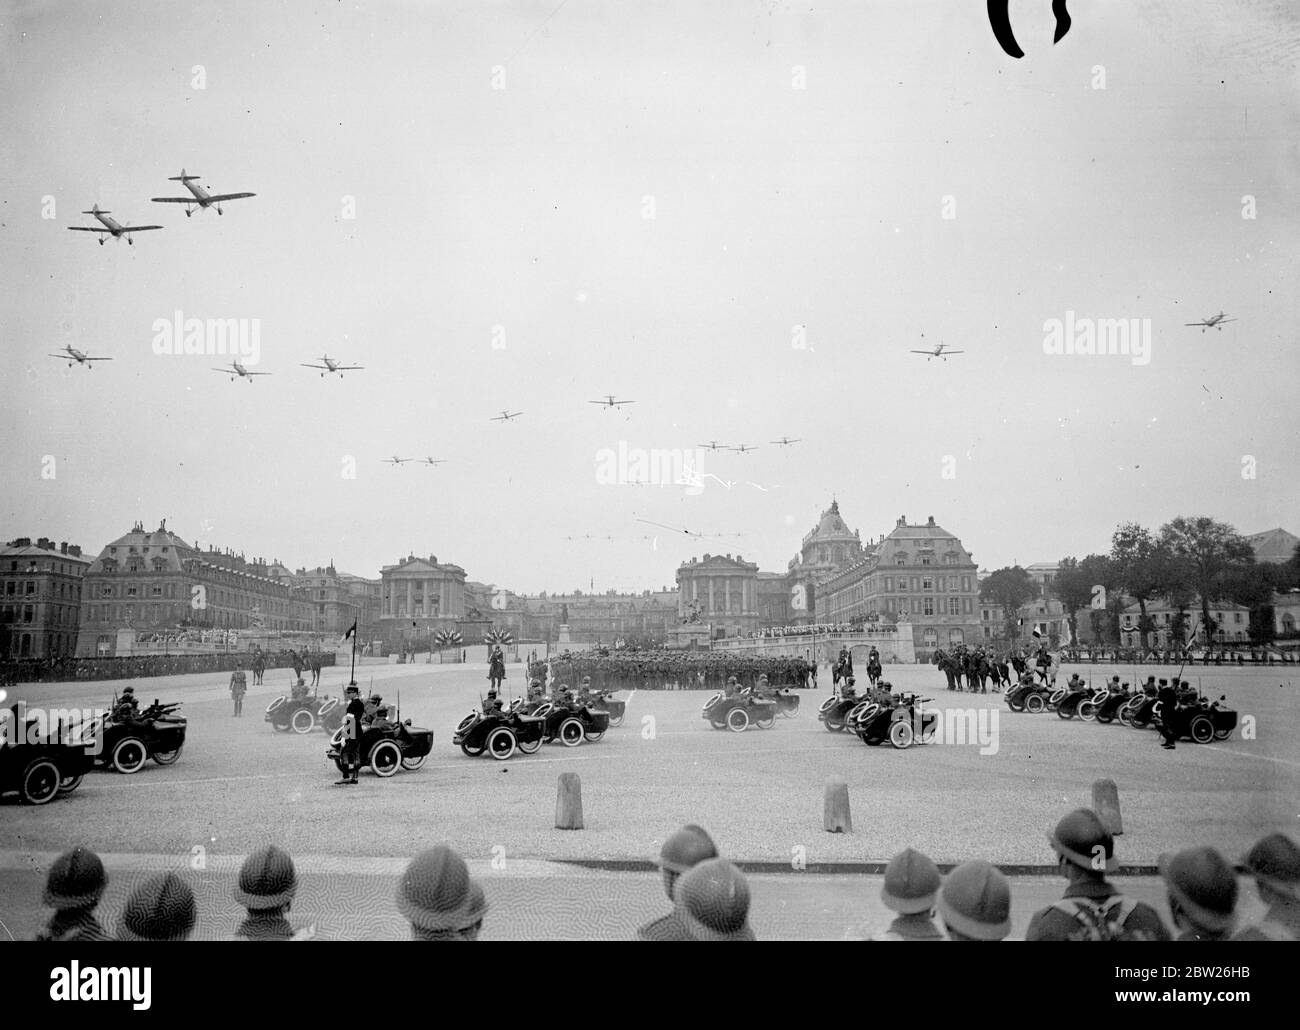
x=497, y=668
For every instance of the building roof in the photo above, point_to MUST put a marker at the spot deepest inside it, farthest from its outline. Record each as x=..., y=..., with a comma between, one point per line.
x=1273, y=545
x=830, y=527
x=23, y=547
x=142, y=543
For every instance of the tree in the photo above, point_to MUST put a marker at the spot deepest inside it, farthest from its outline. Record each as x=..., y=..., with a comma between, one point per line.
x=1073, y=589
x=1209, y=554
x=1145, y=568
x=1107, y=602
x=1009, y=588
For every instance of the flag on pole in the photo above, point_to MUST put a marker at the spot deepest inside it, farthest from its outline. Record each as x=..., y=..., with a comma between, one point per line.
x=352, y=631
x=1037, y=633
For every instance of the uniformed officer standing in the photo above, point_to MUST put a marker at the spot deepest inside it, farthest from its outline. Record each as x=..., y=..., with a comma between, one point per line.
x=238, y=688
x=352, y=717
x=1168, y=696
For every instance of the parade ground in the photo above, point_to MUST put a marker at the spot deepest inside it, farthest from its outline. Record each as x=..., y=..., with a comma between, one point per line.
x=238, y=784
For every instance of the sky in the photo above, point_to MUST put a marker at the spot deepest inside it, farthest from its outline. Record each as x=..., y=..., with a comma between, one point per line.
x=741, y=216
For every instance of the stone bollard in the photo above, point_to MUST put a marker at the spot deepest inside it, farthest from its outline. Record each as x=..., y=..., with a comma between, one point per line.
x=1105, y=802
x=568, y=802
x=835, y=809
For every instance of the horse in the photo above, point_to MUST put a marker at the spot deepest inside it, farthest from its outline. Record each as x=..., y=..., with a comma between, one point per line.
x=259, y=667
x=313, y=663
x=496, y=670
x=874, y=669
x=295, y=660
x=947, y=666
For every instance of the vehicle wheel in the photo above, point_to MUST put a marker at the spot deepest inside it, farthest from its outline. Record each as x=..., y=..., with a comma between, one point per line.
x=338, y=762
x=738, y=720
x=872, y=741
x=594, y=735
x=868, y=713
x=473, y=752
x=833, y=724
x=328, y=707
x=571, y=732
x=616, y=720
x=40, y=782
x=411, y=764
x=280, y=727
x=1057, y=696
x=501, y=743
x=826, y=704
x=129, y=755
x=303, y=721
x=465, y=723
x=275, y=704
x=718, y=724
x=856, y=711
x=1067, y=713
x=167, y=757
x=1202, y=729
x=1015, y=706
x=385, y=758
x=1105, y=717
x=901, y=735
x=1034, y=703
x=1125, y=713
x=765, y=722
x=1223, y=734
x=712, y=701
x=70, y=783
x=1087, y=711
x=529, y=747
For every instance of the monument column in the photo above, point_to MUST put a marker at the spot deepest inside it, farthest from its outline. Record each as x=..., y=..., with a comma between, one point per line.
x=711, y=607
x=410, y=596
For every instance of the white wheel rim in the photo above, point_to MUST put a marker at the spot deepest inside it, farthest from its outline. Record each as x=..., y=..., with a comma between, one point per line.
x=737, y=720
x=49, y=771
x=501, y=736
x=123, y=750
x=900, y=734
x=571, y=732
x=303, y=721
x=394, y=759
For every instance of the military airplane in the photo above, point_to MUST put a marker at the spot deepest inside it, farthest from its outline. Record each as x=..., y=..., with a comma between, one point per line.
x=332, y=365
x=742, y=449
x=199, y=197
x=939, y=351
x=395, y=460
x=713, y=445
x=609, y=402
x=110, y=226
x=785, y=441
x=76, y=357
x=433, y=461
x=1213, y=322
x=505, y=416
x=238, y=371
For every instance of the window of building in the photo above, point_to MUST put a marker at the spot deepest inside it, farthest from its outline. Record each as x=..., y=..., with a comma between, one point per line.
x=954, y=606
x=927, y=559
x=965, y=605
x=155, y=591
x=965, y=584
x=131, y=591
x=927, y=606
x=10, y=588
x=31, y=587
x=1236, y=618
x=927, y=583
x=900, y=559
x=27, y=613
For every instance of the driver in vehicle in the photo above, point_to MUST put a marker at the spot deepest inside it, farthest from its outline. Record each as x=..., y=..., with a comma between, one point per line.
x=381, y=721
x=127, y=707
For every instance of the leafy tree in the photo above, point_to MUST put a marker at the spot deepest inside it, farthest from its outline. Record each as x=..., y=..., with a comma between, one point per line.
x=1146, y=570
x=1209, y=554
x=1100, y=571
x=1009, y=588
x=1073, y=589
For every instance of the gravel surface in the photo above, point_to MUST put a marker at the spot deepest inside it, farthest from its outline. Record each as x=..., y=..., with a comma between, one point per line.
x=760, y=793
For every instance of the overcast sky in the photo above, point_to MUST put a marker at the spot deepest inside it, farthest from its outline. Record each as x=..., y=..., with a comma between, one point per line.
x=554, y=202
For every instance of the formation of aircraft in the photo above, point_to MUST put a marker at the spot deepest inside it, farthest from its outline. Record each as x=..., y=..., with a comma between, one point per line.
x=1213, y=322
x=939, y=351
x=76, y=357
x=238, y=371
x=199, y=197
x=109, y=226
x=785, y=441
x=610, y=402
x=395, y=460
x=505, y=416
x=742, y=449
x=331, y=365
x=713, y=445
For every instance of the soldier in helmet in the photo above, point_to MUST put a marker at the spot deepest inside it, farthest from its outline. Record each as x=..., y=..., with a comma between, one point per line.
x=1274, y=863
x=267, y=884
x=238, y=688
x=73, y=888
x=711, y=903
x=1092, y=909
x=975, y=902
x=381, y=721
x=127, y=707
x=682, y=851
x=1202, y=893
x=351, y=754
x=911, y=883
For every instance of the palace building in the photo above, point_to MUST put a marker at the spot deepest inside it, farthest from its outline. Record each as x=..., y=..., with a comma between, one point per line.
x=156, y=582
x=418, y=597
x=40, y=598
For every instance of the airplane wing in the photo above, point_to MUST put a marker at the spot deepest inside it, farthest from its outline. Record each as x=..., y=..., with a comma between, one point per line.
x=625, y=402
x=85, y=228
x=325, y=367
x=227, y=370
x=230, y=196
x=173, y=200
x=954, y=352
x=1196, y=323
x=922, y=352
x=1222, y=320
x=248, y=373
x=138, y=228
x=96, y=359
x=344, y=368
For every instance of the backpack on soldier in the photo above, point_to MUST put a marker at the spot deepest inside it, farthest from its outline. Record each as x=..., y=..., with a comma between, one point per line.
x=1099, y=920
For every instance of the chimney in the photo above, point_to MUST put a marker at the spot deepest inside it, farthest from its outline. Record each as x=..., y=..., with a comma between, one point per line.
x=43, y=543
x=902, y=521
x=930, y=521
x=74, y=550
x=63, y=547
